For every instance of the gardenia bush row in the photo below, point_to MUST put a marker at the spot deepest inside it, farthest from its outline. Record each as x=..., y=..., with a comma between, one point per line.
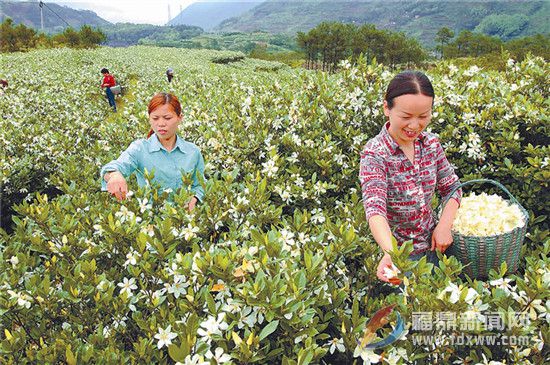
x=276, y=265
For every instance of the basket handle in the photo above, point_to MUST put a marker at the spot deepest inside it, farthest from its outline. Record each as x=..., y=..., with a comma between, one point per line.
x=470, y=182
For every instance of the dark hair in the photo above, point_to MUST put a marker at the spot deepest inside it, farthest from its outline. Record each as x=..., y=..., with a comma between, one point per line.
x=408, y=82
x=104, y=71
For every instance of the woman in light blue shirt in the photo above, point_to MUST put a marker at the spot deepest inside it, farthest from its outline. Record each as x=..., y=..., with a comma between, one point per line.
x=163, y=152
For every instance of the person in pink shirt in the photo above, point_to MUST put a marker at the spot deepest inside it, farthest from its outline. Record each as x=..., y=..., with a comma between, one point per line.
x=401, y=169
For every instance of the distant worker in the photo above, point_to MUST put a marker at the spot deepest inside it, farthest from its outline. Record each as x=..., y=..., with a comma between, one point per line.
x=170, y=74
x=108, y=83
x=3, y=85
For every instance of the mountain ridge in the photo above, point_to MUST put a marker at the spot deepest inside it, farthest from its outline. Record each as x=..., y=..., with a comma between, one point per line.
x=209, y=14
x=420, y=19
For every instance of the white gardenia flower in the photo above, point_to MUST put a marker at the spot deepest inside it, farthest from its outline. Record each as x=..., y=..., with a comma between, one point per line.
x=178, y=287
x=391, y=272
x=14, y=261
x=194, y=360
x=455, y=291
x=22, y=299
x=131, y=257
x=219, y=356
x=165, y=336
x=487, y=215
x=502, y=283
x=212, y=326
x=144, y=205
x=127, y=286
x=471, y=295
x=336, y=344
x=368, y=356
x=189, y=232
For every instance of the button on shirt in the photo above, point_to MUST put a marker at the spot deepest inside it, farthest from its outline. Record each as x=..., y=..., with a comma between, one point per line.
x=149, y=154
x=402, y=191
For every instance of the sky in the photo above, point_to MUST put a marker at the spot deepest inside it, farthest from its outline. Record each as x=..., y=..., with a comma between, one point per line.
x=132, y=11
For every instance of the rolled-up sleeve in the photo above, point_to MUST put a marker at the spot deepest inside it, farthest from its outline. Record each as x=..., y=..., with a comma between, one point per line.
x=372, y=175
x=126, y=164
x=198, y=175
x=447, y=180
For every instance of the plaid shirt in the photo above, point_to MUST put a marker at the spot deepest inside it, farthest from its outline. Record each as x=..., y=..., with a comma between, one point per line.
x=401, y=191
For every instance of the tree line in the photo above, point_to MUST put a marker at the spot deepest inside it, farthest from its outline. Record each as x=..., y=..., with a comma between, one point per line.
x=15, y=38
x=330, y=42
x=472, y=44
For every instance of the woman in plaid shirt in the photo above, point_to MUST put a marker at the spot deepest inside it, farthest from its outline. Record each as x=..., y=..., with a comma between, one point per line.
x=400, y=170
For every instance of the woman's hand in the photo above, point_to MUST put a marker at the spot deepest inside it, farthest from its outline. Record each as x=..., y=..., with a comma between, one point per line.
x=441, y=237
x=116, y=185
x=384, y=262
x=192, y=203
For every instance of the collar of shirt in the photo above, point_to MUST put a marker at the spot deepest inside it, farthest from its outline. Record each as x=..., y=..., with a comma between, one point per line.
x=390, y=143
x=155, y=145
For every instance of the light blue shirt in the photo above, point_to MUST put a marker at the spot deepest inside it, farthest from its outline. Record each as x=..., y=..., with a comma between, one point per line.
x=150, y=154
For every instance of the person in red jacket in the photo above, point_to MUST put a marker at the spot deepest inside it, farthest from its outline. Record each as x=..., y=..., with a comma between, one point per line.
x=108, y=82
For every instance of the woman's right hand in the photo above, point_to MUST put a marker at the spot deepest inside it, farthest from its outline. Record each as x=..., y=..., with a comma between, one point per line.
x=116, y=185
x=384, y=262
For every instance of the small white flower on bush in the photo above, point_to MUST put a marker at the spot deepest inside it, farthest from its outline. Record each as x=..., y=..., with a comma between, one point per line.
x=472, y=71
x=144, y=205
x=391, y=272
x=165, y=336
x=270, y=168
x=178, y=287
x=212, y=326
x=23, y=299
x=124, y=215
x=476, y=311
x=455, y=291
x=502, y=283
x=287, y=238
x=486, y=215
x=317, y=216
x=193, y=360
x=218, y=355
x=14, y=261
x=368, y=356
x=127, y=286
x=103, y=285
x=471, y=295
x=336, y=344
x=189, y=232
x=131, y=257
x=345, y=64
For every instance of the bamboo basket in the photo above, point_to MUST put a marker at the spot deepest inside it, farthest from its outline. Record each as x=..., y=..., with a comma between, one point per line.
x=481, y=254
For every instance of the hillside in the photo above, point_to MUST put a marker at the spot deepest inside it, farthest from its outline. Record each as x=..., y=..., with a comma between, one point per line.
x=209, y=14
x=127, y=34
x=28, y=13
x=421, y=19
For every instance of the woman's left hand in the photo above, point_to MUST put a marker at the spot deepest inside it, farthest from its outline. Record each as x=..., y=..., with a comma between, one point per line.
x=441, y=238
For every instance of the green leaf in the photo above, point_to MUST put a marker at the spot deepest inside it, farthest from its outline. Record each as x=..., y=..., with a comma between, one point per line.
x=177, y=353
x=269, y=329
x=305, y=357
x=71, y=359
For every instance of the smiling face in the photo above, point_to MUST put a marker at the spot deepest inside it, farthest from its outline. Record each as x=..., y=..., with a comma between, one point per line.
x=410, y=115
x=164, y=122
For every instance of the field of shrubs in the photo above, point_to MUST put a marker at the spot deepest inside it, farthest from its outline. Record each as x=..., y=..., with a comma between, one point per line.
x=277, y=264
